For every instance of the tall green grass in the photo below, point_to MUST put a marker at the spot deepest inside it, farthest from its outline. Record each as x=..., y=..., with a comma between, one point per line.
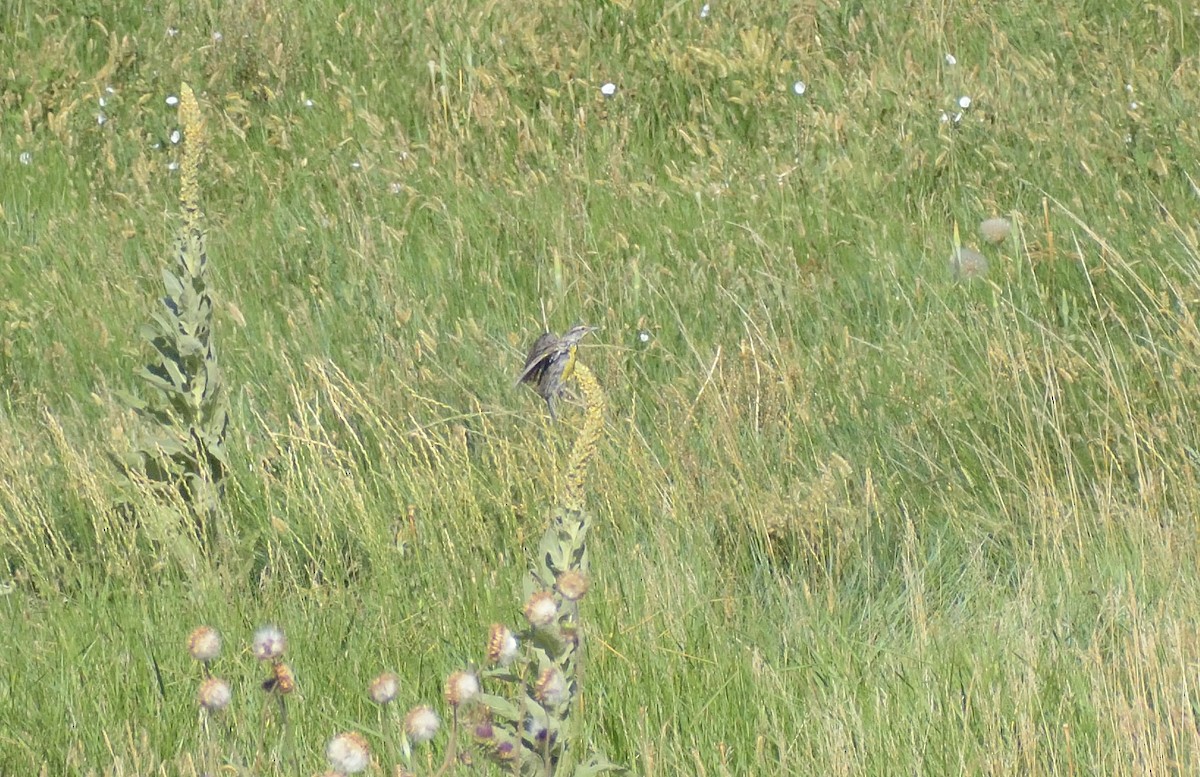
x=852, y=516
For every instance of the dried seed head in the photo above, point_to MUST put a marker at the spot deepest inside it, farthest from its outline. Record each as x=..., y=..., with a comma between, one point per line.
x=204, y=644
x=383, y=689
x=269, y=643
x=461, y=687
x=282, y=681
x=551, y=688
x=967, y=263
x=348, y=753
x=995, y=230
x=502, y=645
x=421, y=723
x=214, y=694
x=541, y=609
x=572, y=585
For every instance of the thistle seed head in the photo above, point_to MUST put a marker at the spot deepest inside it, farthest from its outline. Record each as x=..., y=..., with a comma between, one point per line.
x=541, y=609
x=214, y=694
x=204, y=644
x=348, y=753
x=383, y=689
x=461, y=687
x=268, y=644
x=502, y=645
x=421, y=723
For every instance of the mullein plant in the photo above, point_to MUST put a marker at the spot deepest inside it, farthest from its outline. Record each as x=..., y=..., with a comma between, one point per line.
x=527, y=727
x=183, y=445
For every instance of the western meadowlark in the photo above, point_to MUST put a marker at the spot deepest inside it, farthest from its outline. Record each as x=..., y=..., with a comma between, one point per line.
x=551, y=362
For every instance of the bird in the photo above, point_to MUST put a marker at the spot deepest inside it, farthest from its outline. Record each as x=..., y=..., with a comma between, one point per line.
x=551, y=362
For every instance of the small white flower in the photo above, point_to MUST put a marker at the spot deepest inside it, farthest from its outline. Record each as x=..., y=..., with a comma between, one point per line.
x=1129, y=88
x=945, y=117
x=356, y=165
x=217, y=36
x=110, y=90
x=799, y=87
x=609, y=89
x=172, y=100
x=172, y=166
x=172, y=32
x=100, y=119
x=644, y=336
x=395, y=187
x=964, y=102
x=309, y=103
x=1133, y=106
x=951, y=60
x=156, y=146
x=103, y=102
x=704, y=10
x=25, y=158
x=175, y=136
x=1128, y=139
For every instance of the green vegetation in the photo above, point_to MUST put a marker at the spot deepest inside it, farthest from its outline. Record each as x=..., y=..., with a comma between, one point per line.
x=856, y=511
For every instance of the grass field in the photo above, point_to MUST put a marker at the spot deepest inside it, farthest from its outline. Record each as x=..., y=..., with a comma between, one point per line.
x=852, y=514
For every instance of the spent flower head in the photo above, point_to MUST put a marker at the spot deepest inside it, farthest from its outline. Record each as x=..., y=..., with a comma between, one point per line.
x=383, y=689
x=966, y=263
x=995, y=230
x=214, y=694
x=573, y=585
x=282, y=680
x=541, y=609
x=502, y=645
x=204, y=644
x=421, y=723
x=268, y=644
x=461, y=687
x=551, y=688
x=348, y=753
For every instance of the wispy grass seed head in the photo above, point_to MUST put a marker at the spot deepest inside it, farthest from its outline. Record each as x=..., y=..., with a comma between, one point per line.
x=214, y=694
x=268, y=643
x=541, y=609
x=502, y=645
x=204, y=644
x=383, y=689
x=421, y=723
x=348, y=753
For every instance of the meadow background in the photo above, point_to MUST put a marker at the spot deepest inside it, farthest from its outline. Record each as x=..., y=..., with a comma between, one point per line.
x=853, y=516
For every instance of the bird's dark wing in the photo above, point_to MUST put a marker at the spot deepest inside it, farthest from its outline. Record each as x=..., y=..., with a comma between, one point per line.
x=538, y=359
